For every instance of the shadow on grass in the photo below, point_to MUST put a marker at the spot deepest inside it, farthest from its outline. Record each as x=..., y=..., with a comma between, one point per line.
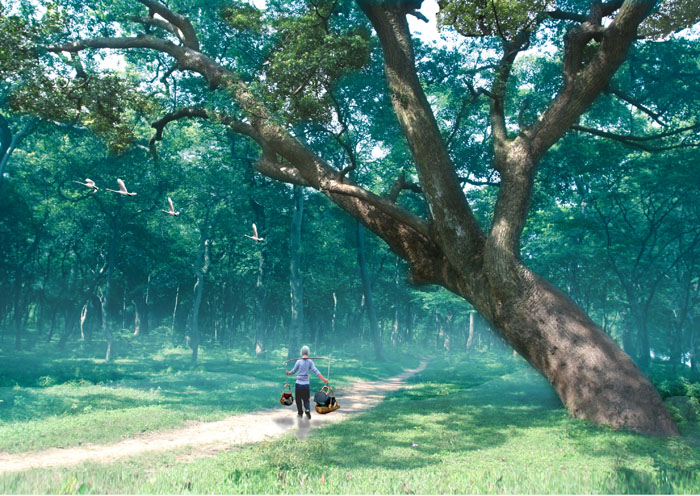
x=411, y=433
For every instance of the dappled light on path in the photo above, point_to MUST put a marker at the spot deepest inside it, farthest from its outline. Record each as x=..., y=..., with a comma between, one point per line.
x=216, y=436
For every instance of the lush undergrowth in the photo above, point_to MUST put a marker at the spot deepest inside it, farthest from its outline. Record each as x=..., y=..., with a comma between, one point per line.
x=52, y=398
x=470, y=424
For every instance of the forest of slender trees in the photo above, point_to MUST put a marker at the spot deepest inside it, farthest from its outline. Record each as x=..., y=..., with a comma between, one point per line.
x=540, y=173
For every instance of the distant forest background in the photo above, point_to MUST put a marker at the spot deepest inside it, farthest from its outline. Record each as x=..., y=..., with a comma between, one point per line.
x=614, y=219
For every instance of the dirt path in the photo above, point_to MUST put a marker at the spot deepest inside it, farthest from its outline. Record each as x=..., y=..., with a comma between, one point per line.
x=212, y=437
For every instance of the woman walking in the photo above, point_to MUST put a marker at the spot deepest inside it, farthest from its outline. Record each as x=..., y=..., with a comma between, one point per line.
x=302, y=389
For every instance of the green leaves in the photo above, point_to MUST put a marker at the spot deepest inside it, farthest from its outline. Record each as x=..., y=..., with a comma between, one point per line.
x=672, y=16
x=107, y=105
x=501, y=18
x=311, y=55
x=243, y=17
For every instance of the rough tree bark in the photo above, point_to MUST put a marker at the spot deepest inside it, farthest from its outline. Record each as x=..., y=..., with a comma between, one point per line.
x=594, y=378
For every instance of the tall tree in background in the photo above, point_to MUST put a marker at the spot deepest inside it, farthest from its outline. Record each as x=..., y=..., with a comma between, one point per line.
x=479, y=261
x=296, y=283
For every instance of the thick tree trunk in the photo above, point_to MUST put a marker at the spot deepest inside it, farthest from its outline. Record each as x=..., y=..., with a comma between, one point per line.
x=594, y=378
x=367, y=290
x=296, y=323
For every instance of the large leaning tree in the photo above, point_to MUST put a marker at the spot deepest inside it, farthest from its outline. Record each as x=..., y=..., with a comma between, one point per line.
x=594, y=378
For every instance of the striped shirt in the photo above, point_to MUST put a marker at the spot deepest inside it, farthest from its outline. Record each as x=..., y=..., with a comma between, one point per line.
x=302, y=368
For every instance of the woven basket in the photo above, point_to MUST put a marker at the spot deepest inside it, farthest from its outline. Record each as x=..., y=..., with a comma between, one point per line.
x=287, y=398
x=334, y=402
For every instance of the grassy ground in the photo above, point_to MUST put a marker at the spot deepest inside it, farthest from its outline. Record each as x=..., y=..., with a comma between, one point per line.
x=48, y=399
x=470, y=424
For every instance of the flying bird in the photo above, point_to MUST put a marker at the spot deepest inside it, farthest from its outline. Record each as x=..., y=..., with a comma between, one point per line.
x=172, y=209
x=122, y=189
x=255, y=236
x=89, y=183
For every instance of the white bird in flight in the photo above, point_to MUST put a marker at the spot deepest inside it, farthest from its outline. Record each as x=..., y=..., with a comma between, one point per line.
x=255, y=236
x=89, y=183
x=122, y=189
x=172, y=209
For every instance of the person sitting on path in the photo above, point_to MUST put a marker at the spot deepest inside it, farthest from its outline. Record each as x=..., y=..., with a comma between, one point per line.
x=302, y=389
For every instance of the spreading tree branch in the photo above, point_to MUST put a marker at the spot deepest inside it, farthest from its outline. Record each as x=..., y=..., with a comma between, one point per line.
x=187, y=34
x=401, y=184
x=638, y=142
x=635, y=103
x=459, y=232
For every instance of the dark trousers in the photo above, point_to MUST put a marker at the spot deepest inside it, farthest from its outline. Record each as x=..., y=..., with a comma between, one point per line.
x=302, y=393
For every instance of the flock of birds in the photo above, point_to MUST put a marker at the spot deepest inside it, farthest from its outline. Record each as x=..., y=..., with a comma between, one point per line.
x=89, y=183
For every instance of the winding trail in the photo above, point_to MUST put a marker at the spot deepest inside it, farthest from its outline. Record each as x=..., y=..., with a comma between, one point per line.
x=212, y=437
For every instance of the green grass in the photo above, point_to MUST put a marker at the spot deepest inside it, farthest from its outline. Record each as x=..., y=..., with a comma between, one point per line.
x=469, y=424
x=50, y=400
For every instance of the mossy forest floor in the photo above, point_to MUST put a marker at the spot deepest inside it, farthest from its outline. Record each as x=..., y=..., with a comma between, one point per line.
x=469, y=423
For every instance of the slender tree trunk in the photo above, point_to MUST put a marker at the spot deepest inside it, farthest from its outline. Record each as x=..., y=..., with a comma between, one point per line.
x=124, y=308
x=137, y=319
x=367, y=291
x=200, y=271
x=3, y=320
x=645, y=348
x=146, y=310
x=141, y=311
x=395, y=331
x=102, y=296
x=9, y=142
x=83, y=315
x=70, y=315
x=296, y=323
x=17, y=314
x=693, y=345
x=470, y=339
x=177, y=296
x=52, y=327
x=333, y=315
x=641, y=343
x=106, y=294
x=260, y=318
